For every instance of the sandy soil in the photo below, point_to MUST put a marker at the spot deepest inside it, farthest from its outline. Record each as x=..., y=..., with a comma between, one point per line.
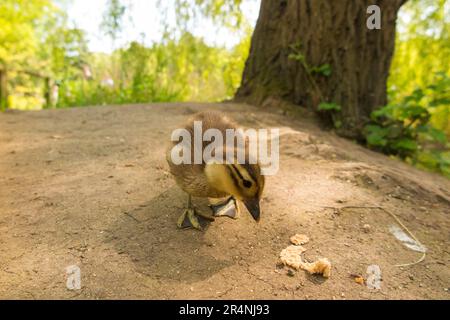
x=90, y=187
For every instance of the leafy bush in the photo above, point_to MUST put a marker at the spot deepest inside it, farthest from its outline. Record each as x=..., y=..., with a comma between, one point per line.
x=186, y=69
x=405, y=130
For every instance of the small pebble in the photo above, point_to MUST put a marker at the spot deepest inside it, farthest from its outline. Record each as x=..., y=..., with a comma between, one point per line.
x=367, y=228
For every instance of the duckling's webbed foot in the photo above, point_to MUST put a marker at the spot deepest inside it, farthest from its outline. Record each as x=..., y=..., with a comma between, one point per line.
x=227, y=208
x=191, y=218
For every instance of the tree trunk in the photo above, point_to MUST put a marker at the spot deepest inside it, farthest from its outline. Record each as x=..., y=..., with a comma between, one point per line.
x=330, y=32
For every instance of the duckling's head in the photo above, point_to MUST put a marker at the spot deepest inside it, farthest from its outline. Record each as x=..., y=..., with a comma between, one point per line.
x=243, y=181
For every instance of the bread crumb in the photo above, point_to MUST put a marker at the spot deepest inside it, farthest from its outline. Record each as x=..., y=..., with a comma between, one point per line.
x=359, y=280
x=299, y=239
x=321, y=266
x=291, y=256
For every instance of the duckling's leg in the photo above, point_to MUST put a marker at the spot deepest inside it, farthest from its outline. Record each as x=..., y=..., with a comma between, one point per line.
x=227, y=208
x=189, y=218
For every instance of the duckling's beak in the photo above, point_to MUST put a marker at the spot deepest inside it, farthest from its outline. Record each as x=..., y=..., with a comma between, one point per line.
x=252, y=206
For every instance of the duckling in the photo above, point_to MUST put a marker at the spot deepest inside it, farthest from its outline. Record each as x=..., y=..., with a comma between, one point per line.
x=234, y=181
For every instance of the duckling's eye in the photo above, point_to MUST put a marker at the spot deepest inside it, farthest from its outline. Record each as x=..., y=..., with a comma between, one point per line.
x=247, y=184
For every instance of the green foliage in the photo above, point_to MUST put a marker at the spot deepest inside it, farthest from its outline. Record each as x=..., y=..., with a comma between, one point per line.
x=404, y=129
x=35, y=36
x=225, y=13
x=35, y=39
x=328, y=110
x=112, y=18
x=21, y=24
x=324, y=70
x=416, y=124
x=177, y=70
x=297, y=55
x=324, y=106
x=422, y=50
x=331, y=110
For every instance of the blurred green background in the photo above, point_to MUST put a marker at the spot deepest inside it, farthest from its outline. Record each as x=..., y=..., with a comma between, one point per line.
x=41, y=37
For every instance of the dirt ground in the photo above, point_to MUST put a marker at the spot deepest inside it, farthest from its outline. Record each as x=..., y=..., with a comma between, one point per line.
x=90, y=187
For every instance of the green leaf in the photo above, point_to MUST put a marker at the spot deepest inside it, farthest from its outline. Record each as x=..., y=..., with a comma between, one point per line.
x=377, y=141
x=439, y=101
x=376, y=135
x=395, y=130
x=324, y=106
x=416, y=111
x=297, y=56
x=406, y=144
x=382, y=112
x=324, y=70
x=428, y=159
x=437, y=135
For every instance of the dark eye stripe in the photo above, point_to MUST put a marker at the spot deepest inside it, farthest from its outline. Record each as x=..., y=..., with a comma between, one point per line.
x=247, y=184
x=237, y=172
x=236, y=183
x=251, y=173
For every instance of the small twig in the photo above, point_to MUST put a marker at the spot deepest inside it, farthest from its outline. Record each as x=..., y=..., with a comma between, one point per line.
x=224, y=293
x=412, y=236
x=132, y=217
x=397, y=220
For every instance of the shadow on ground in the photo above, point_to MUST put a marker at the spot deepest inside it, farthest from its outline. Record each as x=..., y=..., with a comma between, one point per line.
x=157, y=248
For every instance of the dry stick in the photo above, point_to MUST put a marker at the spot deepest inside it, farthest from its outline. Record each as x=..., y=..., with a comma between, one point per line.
x=398, y=221
x=132, y=217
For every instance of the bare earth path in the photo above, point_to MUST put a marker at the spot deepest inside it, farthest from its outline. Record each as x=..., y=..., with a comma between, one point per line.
x=89, y=187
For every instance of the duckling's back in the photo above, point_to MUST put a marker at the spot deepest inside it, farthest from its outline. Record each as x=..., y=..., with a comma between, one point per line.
x=191, y=177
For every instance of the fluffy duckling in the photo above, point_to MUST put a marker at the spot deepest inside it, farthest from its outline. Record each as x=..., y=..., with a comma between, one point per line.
x=243, y=182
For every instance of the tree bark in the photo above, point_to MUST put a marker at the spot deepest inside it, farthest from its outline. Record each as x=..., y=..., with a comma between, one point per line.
x=330, y=32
